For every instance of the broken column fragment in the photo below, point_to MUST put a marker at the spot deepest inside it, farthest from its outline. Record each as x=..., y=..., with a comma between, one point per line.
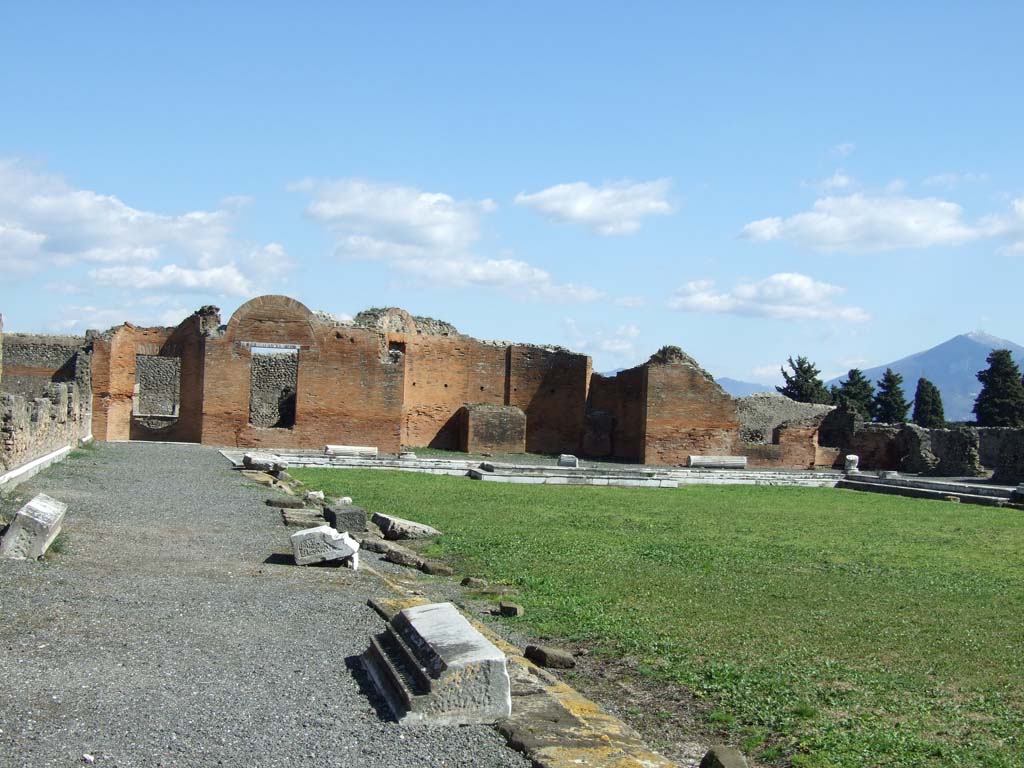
x=395, y=528
x=433, y=667
x=33, y=529
x=317, y=545
x=264, y=462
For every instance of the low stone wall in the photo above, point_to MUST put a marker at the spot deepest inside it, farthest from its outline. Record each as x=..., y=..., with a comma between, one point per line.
x=990, y=443
x=32, y=428
x=33, y=361
x=492, y=429
x=761, y=414
x=1009, y=468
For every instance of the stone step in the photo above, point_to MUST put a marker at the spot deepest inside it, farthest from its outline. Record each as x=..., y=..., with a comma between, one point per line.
x=434, y=667
x=918, y=493
x=947, y=487
x=389, y=680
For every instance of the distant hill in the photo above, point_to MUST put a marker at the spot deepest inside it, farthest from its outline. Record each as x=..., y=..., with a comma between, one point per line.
x=952, y=366
x=738, y=388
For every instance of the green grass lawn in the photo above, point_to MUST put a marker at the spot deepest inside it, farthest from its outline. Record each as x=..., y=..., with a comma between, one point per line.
x=822, y=627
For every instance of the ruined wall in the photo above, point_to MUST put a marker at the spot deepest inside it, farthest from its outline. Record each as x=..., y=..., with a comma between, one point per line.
x=158, y=380
x=32, y=428
x=273, y=385
x=346, y=392
x=687, y=412
x=762, y=413
x=550, y=386
x=990, y=444
x=956, y=452
x=114, y=376
x=1010, y=465
x=443, y=373
x=34, y=361
x=492, y=429
x=617, y=415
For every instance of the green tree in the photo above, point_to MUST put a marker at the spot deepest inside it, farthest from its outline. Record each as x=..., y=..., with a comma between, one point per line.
x=1001, y=400
x=928, y=410
x=803, y=384
x=889, y=405
x=855, y=393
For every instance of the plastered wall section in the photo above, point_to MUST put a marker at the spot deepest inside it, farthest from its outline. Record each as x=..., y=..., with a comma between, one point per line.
x=687, y=413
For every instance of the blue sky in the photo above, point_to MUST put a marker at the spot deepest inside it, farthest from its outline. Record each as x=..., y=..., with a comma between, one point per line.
x=747, y=181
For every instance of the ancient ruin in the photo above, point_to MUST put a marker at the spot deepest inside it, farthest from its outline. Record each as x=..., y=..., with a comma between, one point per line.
x=280, y=376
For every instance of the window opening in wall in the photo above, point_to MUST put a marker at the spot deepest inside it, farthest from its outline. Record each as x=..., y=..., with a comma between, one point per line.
x=157, y=386
x=396, y=349
x=273, y=384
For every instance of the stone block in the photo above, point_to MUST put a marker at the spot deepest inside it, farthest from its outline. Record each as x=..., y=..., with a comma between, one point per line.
x=723, y=757
x=404, y=557
x=316, y=545
x=512, y=610
x=313, y=496
x=395, y=528
x=302, y=518
x=568, y=460
x=433, y=667
x=33, y=529
x=264, y=462
x=345, y=517
x=717, y=462
x=554, y=658
x=354, y=451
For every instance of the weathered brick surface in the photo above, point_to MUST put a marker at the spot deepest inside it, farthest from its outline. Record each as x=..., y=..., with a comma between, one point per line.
x=617, y=415
x=492, y=429
x=687, y=413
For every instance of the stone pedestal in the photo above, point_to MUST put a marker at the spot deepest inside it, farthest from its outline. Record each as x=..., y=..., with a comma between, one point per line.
x=851, y=463
x=568, y=460
x=33, y=529
x=433, y=667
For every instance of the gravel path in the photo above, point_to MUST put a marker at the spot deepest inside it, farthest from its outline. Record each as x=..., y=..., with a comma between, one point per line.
x=161, y=637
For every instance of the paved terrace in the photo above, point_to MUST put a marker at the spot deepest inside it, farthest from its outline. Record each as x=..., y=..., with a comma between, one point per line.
x=161, y=636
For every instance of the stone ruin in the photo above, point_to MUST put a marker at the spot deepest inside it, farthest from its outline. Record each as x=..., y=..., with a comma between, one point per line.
x=281, y=376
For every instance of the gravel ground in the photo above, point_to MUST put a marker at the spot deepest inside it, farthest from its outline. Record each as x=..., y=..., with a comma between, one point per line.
x=163, y=636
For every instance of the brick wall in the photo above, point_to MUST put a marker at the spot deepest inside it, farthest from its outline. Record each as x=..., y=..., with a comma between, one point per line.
x=550, y=386
x=34, y=361
x=687, y=413
x=617, y=415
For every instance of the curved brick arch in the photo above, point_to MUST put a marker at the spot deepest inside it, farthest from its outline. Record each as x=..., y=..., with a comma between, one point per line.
x=272, y=319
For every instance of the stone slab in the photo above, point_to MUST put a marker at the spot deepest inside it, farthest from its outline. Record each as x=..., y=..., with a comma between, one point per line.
x=264, y=462
x=33, y=529
x=717, y=462
x=317, y=545
x=346, y=517
x=568, y=460
x=355, y=451
x=396, y=528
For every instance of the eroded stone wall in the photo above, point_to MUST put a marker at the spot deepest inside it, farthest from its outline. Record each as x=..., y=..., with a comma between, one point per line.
x=33, y=361
x=273, y=387
x=159, y=385
x=30, y=428
x=761, y=414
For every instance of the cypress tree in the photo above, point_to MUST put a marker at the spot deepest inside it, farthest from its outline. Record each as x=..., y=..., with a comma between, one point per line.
x=1001, y=400
x=803, y=384
x=928, y=410
x=889, y=405
x=855, y=393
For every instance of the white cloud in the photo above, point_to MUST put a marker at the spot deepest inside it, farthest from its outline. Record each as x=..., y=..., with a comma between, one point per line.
x=226, y=280
x=845, y=149
x=951, y=181
x=615, y=208
x=860, y=223
x=617, y=345
x=785, y=295
x=837, y=180
x=429, y=235
x=631, y=302
x=46, y=222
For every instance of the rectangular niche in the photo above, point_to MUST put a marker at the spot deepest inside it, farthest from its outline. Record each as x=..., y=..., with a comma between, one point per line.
x=157, y=385
x=273, y=384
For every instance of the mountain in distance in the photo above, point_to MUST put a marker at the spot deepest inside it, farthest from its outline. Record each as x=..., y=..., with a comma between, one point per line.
x=738, y=388
x=952, y=366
